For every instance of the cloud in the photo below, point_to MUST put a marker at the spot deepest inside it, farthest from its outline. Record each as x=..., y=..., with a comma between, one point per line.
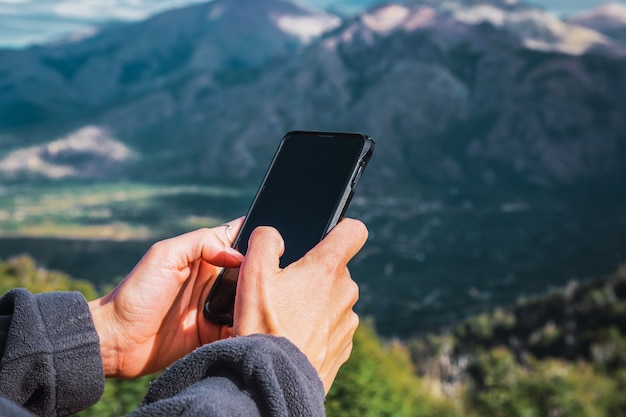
x=24, y=22
x=96, y=9
x=91, y=10
x=567, y=6
x=27, y=22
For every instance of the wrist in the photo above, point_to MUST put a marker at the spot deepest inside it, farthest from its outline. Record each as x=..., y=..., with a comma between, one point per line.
x=103, y=324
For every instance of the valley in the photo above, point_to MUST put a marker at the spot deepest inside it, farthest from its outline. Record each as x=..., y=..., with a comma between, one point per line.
x=431, y=259
x=500, y=130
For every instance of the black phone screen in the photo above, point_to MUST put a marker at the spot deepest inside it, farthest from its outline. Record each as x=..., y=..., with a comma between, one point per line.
x=304, y=192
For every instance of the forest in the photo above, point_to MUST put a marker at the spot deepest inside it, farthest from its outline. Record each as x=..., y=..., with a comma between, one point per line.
x=559, y=354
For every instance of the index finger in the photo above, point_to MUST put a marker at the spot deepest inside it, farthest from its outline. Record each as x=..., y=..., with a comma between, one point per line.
x=345, y=240
x=213, y=245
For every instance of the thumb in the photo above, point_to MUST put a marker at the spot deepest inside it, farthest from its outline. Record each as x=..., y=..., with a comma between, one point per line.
x=265, y=247
x=262, y=262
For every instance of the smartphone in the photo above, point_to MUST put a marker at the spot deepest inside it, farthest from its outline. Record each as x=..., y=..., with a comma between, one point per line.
x=304, y=193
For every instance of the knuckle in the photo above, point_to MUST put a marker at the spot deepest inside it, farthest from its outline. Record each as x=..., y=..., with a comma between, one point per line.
x=354, y=321
x=334, y=265
x=349, y=289
x=353, y=291
x=330, y=266
x=345, y=355
x=159, y=248
x=205, y=234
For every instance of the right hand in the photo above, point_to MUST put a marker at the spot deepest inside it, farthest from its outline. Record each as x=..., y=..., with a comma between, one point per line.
x=310, y=302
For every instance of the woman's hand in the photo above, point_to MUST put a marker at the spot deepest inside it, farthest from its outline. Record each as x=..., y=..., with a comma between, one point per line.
x=155, y=315
x=309, y=302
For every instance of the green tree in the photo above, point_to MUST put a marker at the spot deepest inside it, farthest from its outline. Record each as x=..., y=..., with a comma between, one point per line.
x=546, y=388
x=494, y=391
x=23, y=272
x=379, y=381
x=121, y=396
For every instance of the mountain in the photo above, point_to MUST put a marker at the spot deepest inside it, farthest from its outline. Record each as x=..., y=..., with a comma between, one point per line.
x=539, y=29
x=500, y=146
x=507, y=5
x=460, y=93
x=454, y=102
x=57, y=82
x=608, y=19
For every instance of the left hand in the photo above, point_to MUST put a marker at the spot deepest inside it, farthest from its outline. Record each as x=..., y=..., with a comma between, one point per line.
x=155, y=315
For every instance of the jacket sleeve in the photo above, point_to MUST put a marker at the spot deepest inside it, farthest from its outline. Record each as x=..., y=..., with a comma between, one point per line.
x=256, y=375
x=50, y=361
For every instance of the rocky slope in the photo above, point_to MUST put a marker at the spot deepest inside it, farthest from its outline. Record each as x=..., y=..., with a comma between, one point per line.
x=608, y=19
x=48, y=84
x=468, y=93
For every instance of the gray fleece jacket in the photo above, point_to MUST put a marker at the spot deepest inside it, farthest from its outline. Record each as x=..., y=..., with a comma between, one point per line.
x=50, y=365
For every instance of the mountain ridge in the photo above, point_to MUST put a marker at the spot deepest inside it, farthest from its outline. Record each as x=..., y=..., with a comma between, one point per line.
x=466, y=101
x=127, y=60
x=608, y=19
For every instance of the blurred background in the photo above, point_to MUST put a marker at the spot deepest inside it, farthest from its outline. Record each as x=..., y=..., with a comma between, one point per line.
x=496, y=198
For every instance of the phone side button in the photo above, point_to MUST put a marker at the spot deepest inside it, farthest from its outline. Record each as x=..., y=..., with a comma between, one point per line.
x=357, y=176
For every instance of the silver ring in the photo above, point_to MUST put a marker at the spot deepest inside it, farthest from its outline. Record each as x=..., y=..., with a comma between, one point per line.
x=228, y=227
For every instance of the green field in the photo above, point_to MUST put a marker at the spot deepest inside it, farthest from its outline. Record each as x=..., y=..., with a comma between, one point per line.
x=120, y=211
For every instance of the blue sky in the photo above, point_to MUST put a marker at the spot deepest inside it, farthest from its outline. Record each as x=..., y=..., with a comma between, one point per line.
x=569, y=6
x=24, y=22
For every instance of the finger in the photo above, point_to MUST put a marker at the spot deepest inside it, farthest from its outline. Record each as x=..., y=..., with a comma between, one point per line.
x=344, y=241
x=231, y=229
x=223, y=255
x=211, y=245
x=226, y=234
x=265, y=247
